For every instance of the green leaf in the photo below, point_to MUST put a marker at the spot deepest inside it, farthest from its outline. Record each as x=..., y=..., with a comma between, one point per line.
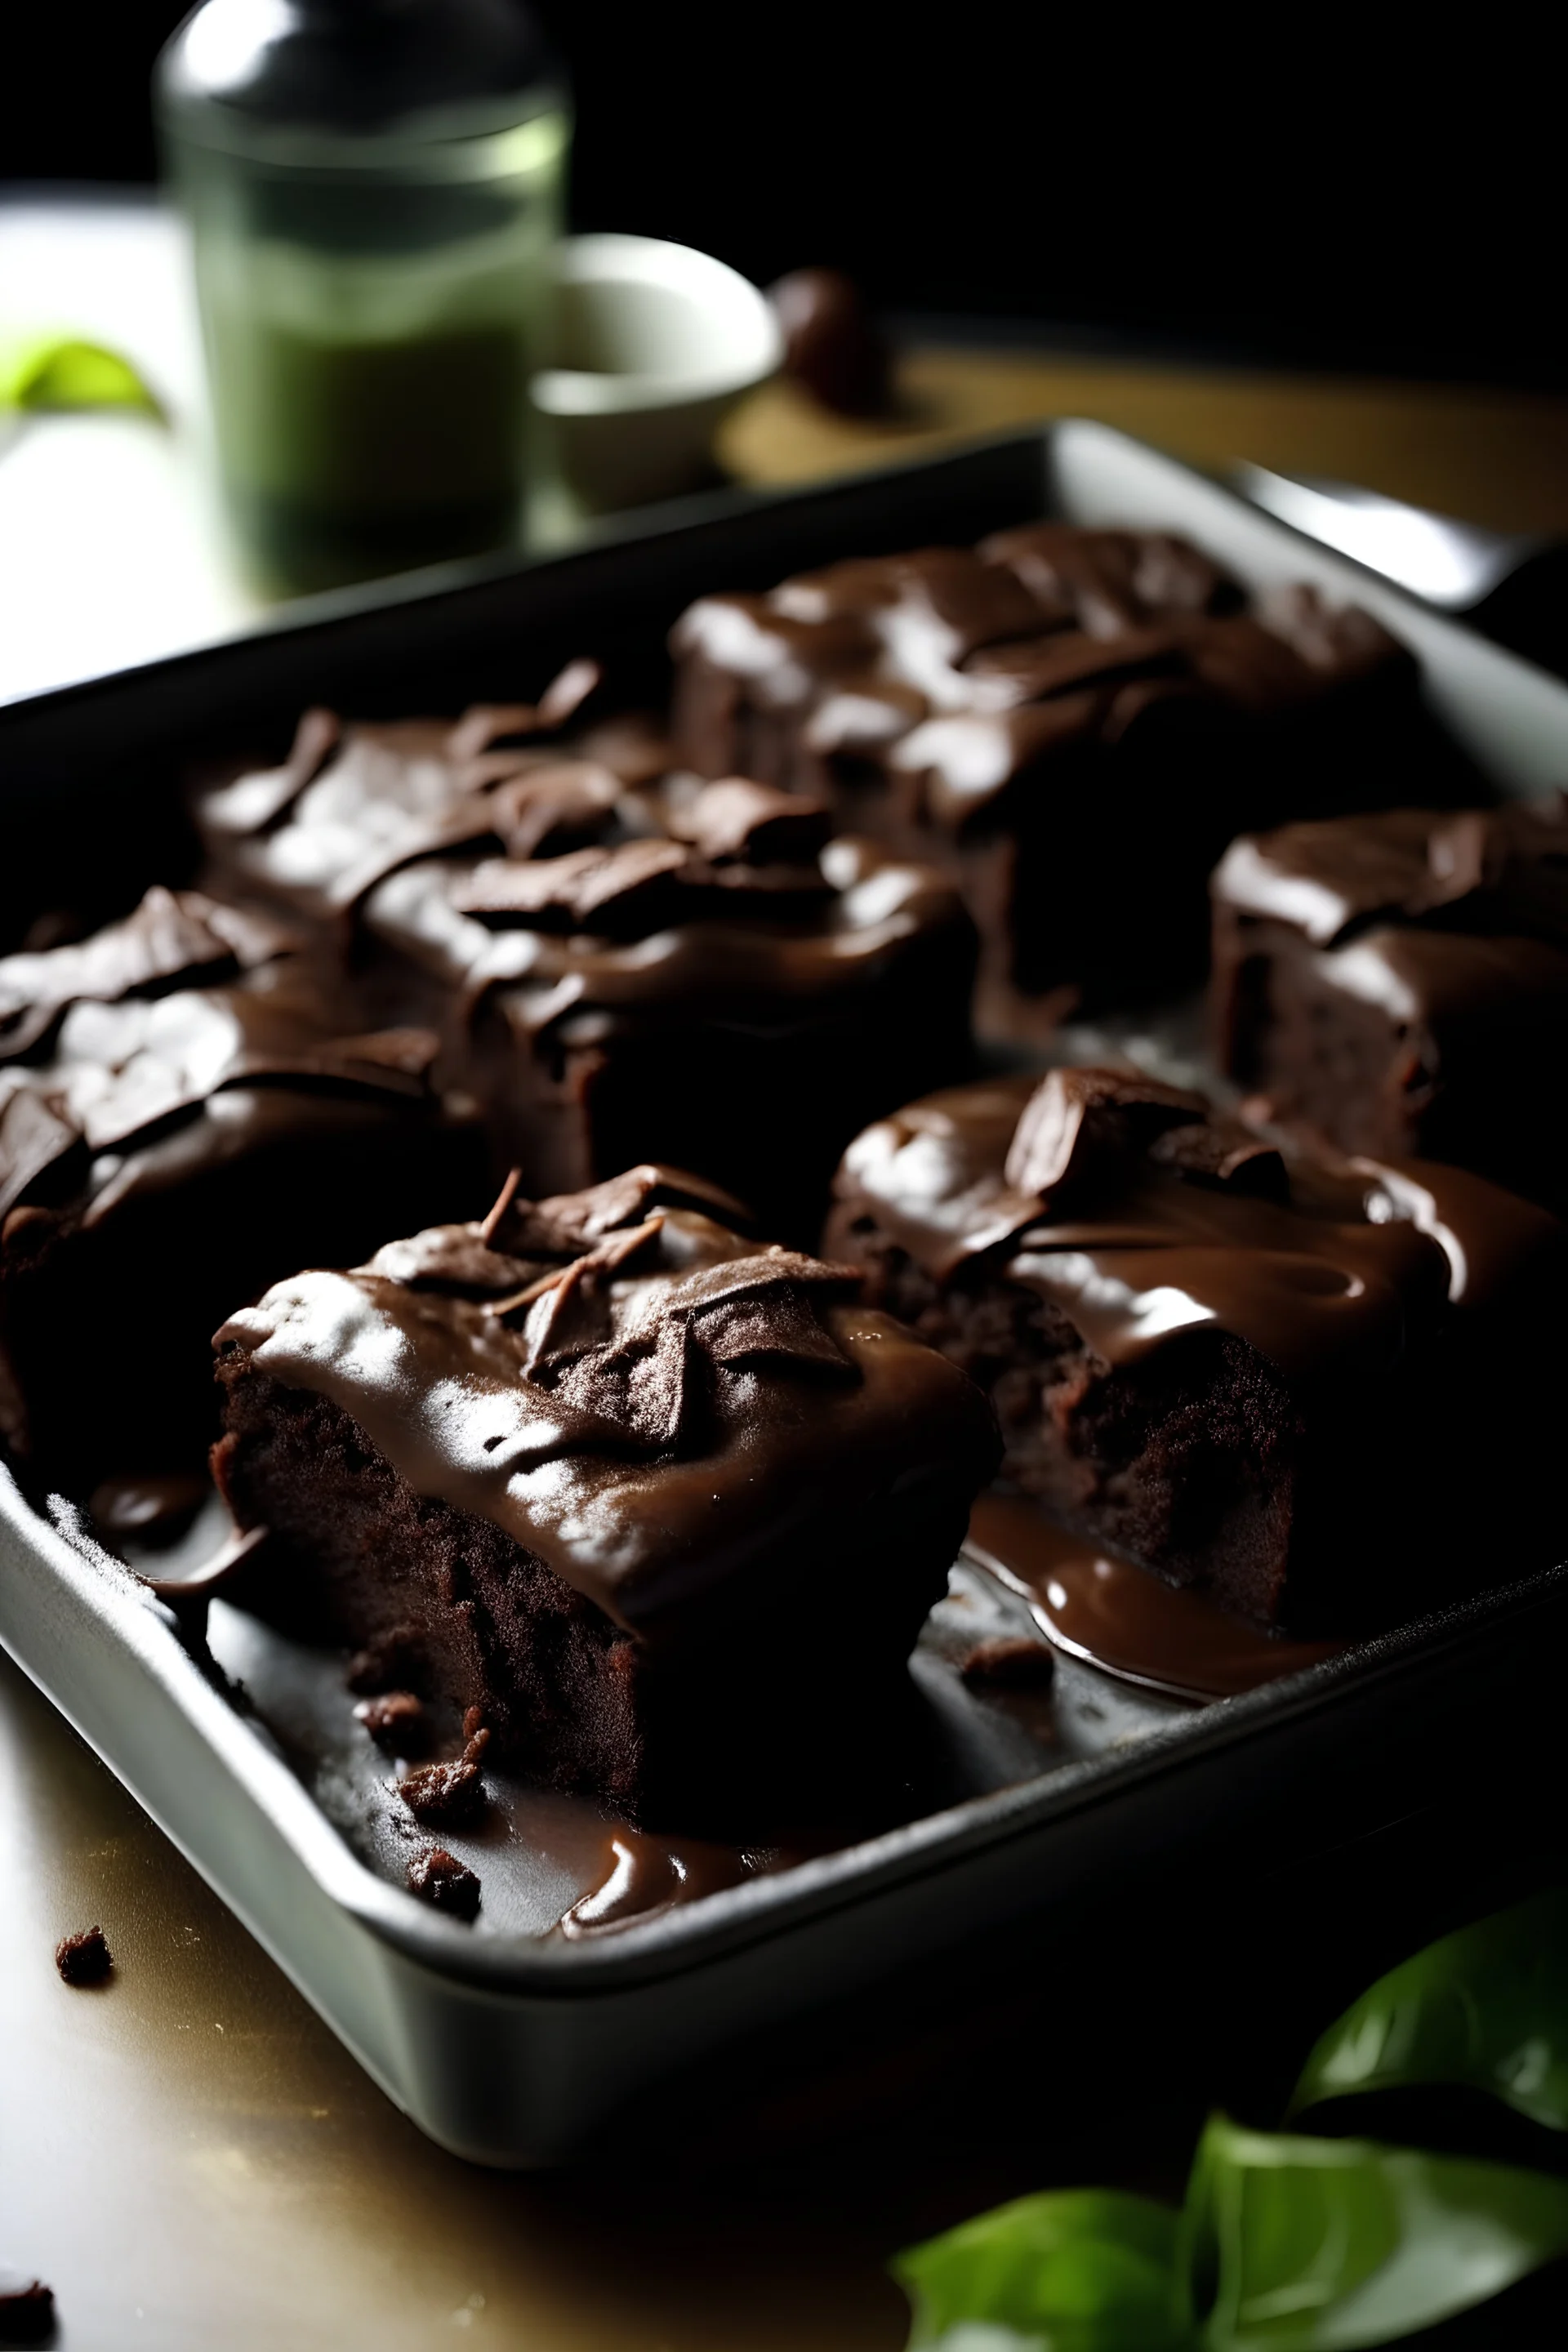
x=1317, y=2245
x=1079, y=2269
x=1486, y=2008
x=54, y=372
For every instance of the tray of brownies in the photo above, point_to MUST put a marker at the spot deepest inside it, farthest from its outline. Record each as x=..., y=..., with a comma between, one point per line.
x=730, y=1260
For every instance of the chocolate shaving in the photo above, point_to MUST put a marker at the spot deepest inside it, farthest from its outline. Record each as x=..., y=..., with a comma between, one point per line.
x=565, y=806
x=174, y=935
x=452, y=1260
x=253, y=804
x=1222, y=1151
x=736, y=819
x=485, y=724
x=624, y=889
x=35, y=1133
x=1077, y=1116
x=567, y=692
x=565, y=1225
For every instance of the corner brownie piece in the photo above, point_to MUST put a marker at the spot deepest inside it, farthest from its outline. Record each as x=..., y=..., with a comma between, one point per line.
x=1398, y=983
x=185, y=1112
x=653, y=1499
x=1299, y=1386
x=1056, y=703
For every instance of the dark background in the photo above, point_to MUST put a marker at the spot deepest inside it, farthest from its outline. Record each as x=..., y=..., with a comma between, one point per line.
x=1311, y=187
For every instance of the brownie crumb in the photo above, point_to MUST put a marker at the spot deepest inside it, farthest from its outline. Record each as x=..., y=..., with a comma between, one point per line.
x=27, y=2308
x=84, y=1957
x=473, y=1722
x=395, y=1720
x=438, y=1877
x=443, y=1793
x=394, y=1661
x=1010, y=1662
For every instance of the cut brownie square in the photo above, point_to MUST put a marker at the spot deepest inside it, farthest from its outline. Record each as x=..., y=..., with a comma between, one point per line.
x=659, y=1505
x=1302, y=1387
x=187, y=1108
x=621, y=962
x=727, y=989
x=1398, y=983
x=1058, y=703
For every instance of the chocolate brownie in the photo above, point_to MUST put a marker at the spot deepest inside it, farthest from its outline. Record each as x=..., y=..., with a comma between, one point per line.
x=1071, y=721
x=658, y=1502
x=620, y=961
x=1398, y=982
x=734, y=991
x=184, y=1113
x=1288, y=1383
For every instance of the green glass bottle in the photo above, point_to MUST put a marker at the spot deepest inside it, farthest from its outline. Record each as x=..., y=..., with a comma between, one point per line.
x=373, y=187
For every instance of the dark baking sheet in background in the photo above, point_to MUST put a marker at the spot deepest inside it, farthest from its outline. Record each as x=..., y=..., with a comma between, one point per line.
x=514, y=2049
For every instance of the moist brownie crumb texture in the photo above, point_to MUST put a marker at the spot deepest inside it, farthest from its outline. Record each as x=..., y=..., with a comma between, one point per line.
x=589, y=1469
x=1398, y=982
x=1288, y=1383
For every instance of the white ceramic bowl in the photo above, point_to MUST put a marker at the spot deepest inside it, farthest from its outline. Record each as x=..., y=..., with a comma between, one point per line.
x=652, y=344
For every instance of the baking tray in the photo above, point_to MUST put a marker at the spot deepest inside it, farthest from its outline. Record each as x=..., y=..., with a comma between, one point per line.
x=515, y=2046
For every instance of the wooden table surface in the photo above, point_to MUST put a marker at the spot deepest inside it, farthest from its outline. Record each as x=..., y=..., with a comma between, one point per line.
x=189, y=2158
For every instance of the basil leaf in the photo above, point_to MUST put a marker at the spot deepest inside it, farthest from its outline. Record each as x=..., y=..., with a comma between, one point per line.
x=56, y=371
x=1317, y=2245
x=1075, y=2270
x=1486, y=2008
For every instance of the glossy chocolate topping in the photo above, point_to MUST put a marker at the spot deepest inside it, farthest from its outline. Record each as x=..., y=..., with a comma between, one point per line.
x=1501, y=871
x=173, y=938
x=1121, y=1618
x=640, y=1396
x=928, y=660
x=124, y=1075
x=1144, y=1216
x=350, y=803
x=646, y=922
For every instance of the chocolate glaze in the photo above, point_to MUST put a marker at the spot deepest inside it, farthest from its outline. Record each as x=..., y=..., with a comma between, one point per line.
x=122, y=1072
x=1398, y=982
x=1118, y=1617
x=642, y=1874
x=1502, y=871
x=173, y=938
x=649, y=1406
x=870, y=908
x=1330, y=1280
x=858, y=656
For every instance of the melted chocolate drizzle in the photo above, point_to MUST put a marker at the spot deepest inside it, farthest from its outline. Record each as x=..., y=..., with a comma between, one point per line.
x=1122, y=1618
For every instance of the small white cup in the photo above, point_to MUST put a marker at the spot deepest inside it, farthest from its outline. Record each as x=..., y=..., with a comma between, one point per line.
x=653, y=344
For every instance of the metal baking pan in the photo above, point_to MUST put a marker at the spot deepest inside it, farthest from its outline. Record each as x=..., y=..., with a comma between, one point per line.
x=509, y=2041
